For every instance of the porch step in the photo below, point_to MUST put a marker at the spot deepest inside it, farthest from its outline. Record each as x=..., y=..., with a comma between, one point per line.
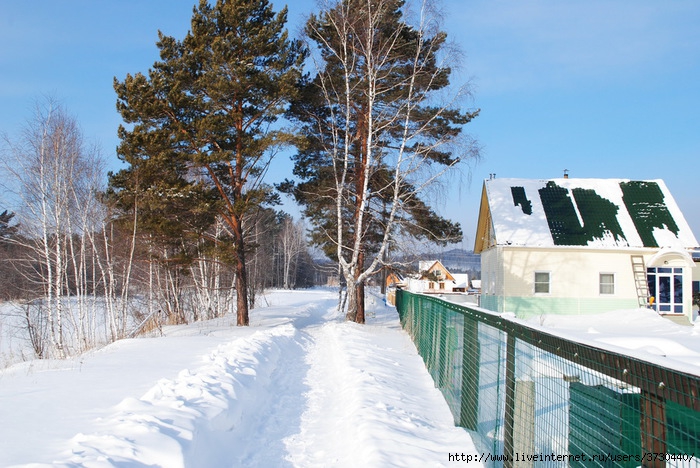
x=679, y=319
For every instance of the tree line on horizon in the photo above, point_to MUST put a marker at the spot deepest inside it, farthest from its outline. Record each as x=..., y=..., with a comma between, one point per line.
x=190, y=227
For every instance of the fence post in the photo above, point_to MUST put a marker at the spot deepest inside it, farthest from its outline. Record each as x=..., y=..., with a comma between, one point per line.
x=469, y=405
x=441, y=353
x=524, y=421
x=653, y=425
x=508, y=418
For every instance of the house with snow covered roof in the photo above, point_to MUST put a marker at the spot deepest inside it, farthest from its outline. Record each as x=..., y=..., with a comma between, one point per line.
x=434, y=277
x=579, y=246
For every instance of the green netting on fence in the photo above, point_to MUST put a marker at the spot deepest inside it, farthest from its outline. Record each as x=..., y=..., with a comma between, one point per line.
x=542, y=400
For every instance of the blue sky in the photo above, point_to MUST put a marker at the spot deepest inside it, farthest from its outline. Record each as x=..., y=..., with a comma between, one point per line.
x=603, y=88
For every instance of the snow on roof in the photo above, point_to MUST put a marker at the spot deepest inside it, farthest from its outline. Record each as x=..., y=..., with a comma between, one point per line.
x=591, y=212
x=461, y=280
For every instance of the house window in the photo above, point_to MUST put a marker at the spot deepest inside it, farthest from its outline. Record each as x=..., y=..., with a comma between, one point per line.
x=442, y=285
x=431, y=285
x=606, y=283
x=541, y=282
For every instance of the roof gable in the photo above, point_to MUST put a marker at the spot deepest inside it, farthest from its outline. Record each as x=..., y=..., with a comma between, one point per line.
x=432, y=266
x=581, y=212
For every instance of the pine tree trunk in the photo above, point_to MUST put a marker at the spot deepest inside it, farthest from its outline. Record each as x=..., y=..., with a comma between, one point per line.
x=360, y=313
x=360, y=290
x=241, y=278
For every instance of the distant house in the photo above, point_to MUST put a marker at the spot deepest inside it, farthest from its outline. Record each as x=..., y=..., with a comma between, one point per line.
x=577, y=246
x=395, y=279
x=434, y=278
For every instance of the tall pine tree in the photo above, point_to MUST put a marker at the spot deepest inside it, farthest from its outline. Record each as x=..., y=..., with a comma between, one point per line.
x=201, y=123
x=377, y=131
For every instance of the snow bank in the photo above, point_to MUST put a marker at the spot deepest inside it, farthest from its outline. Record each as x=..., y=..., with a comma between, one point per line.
x=641, y=333
x=182, y=422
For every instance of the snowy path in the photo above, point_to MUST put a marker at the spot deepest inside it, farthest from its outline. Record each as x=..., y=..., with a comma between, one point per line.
x=300, y=388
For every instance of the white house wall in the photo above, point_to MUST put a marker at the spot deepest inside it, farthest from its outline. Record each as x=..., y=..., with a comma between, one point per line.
x=492, y=285
x=573, y=273
x=416, y=285
x=508, y=275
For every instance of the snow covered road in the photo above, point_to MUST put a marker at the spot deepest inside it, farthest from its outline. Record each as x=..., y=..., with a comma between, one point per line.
x=299, y=388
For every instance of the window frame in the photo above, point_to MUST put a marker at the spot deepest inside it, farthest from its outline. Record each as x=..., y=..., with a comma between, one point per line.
x=601, y=284
x=538, y=283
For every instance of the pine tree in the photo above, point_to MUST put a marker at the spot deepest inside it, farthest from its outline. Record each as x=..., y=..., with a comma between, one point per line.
x=201, y=124
x=375, y=136
x=6, y=230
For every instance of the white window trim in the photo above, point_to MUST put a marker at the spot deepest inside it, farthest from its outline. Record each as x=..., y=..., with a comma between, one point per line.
x=535, y=283
x=600, y=283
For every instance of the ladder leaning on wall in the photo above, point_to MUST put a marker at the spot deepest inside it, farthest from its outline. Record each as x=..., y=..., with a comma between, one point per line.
x=639, y=270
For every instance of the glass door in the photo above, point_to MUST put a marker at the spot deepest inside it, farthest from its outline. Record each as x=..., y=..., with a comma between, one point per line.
x=666, y=287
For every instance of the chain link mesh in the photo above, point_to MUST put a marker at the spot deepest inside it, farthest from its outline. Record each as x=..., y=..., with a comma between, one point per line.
x=531, y=398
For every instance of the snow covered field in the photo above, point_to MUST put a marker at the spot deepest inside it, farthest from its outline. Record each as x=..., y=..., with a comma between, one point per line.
x=300, y=388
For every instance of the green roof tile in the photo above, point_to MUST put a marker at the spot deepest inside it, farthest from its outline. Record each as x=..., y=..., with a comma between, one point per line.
x=520, y=198
x=645, y=203
x=598, y=214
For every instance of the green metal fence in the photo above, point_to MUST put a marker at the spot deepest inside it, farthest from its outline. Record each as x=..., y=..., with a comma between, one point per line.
x=532, y=398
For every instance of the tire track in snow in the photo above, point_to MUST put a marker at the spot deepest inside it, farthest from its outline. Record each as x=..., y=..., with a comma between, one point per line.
x=329, y=411
x=275, y=415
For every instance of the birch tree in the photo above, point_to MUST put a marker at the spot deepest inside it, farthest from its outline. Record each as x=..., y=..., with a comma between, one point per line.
x=380, y=127
x=292, y=245
x=53, y=173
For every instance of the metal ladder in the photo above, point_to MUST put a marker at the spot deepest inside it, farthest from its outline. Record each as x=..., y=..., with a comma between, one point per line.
x=639, y=271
